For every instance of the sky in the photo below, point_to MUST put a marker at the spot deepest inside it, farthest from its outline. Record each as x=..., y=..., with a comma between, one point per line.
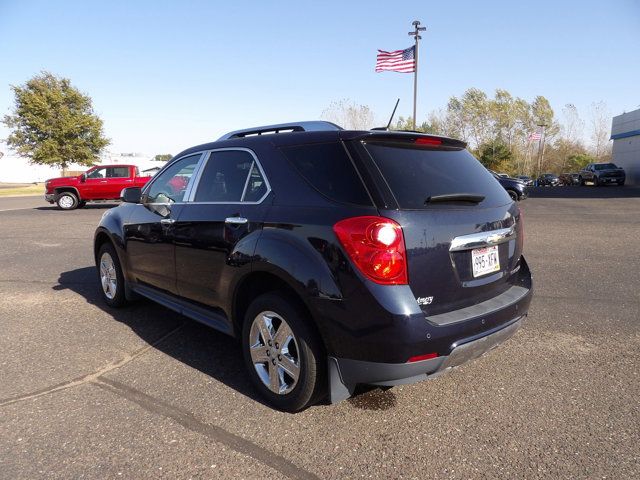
x=164, y=75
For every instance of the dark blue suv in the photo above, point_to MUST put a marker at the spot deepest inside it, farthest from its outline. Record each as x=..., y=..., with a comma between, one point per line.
x=336, y=257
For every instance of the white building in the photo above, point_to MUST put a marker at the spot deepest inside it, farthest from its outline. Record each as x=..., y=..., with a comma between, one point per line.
x=625, y=133
x=15, y=169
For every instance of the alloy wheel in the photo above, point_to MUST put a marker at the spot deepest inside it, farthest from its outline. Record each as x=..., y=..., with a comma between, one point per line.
x=274, y=352
x=108, y=277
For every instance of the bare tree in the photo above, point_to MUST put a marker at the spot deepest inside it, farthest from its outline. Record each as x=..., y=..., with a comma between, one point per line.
x=349, y=115
x=573, y=124
x=600, y=130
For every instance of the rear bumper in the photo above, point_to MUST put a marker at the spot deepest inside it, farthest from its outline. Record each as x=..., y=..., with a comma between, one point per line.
x=345, y=374
x=456, y=337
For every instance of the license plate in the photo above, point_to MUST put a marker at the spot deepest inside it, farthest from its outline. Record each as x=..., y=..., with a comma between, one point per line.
x=485, y=260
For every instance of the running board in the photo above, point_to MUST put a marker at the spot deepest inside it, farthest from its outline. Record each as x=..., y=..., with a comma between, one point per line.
x=212, y=319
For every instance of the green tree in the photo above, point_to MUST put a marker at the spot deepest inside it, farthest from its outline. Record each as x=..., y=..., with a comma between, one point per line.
x=579, y=161
x=163, y=157
x=496, y=156
x=407, y=124
x=53, y=123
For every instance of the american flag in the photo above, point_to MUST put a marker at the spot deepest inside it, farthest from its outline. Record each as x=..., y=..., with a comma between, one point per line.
x=402, y=61
x=535, y=136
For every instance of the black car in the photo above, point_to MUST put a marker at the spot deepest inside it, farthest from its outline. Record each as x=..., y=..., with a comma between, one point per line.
x=528, y=181
x=336, y=257
x=548, y=180
x=516, y=188
x=602, y=174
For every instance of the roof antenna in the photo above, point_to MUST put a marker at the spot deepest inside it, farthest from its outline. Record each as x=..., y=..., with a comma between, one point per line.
x=390, y=119
x=392, y=114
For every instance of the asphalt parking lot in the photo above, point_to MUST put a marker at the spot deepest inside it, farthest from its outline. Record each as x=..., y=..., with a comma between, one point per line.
x=89, y=392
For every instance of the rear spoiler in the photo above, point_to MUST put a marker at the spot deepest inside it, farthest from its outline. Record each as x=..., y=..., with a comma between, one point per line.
x=408, y=138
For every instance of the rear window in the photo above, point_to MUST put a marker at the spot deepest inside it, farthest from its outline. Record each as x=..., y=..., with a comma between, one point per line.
x=329, y=170
x=417, y=174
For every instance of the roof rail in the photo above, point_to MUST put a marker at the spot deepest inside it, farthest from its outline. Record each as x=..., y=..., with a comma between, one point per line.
x=312, y=126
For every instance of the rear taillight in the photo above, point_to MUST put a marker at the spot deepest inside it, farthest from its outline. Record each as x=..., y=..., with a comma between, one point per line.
x=376, y=246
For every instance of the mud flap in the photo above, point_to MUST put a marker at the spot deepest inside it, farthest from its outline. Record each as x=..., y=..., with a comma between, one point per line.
x=338, y=391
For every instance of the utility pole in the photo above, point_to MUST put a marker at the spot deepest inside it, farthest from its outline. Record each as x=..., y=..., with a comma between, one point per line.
x=417, y=37
x=541, y=149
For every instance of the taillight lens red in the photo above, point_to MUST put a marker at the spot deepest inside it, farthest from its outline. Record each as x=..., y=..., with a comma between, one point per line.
x=428, y=141
x=376, y=247
x=418, y=358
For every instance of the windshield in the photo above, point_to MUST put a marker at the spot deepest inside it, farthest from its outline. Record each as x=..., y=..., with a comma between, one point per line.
x=605, y=166
x=416, y=174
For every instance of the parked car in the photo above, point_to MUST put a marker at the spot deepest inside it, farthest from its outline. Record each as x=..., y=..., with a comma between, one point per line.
x=337, y=257
x=602, y=174
x=568, y=179
x=528, y=181
x=103, y=182
x=548, y=179
x=516, y=188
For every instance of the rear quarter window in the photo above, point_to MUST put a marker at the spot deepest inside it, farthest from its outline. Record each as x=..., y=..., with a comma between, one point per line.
x=415, y=174
x=328, y=168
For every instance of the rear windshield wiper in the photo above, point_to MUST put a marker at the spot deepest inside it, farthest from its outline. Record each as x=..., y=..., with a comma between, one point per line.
x=455, y=197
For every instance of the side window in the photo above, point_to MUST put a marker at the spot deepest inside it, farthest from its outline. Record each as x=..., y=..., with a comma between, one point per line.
x=97, y=173
x=117, y=172
x=230, y=176
x=329, y=170
x=171, y=185
x=256, y=186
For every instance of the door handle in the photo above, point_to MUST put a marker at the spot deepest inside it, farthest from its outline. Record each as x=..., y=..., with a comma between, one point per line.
x=168, y=221
x=236, y=220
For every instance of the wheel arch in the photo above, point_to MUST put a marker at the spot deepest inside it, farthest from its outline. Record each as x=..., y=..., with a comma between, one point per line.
x=74, y=190
x=260, y=282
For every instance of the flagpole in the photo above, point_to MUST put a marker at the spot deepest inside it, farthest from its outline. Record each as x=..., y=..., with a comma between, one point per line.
x=416, y=35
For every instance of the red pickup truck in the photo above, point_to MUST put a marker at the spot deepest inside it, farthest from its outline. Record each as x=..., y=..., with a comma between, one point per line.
x=102, y=182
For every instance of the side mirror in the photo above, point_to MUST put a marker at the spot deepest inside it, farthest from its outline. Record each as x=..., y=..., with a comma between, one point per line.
x=83, y=178
x=131, y=195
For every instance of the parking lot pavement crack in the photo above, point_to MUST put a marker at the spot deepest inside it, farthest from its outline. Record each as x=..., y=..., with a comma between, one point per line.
x=218, y=434
x=90, y=377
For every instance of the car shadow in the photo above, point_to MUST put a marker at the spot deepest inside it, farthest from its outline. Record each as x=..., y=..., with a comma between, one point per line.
x=587, y=191
x=198, y=346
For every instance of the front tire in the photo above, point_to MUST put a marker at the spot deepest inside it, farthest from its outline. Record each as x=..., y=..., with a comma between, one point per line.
x=595, y=181
x=111, y=276
x=67, y=201
x=283, y=354
x=513, y=194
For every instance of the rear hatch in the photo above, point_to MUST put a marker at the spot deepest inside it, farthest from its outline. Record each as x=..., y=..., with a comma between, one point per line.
x=449, y=207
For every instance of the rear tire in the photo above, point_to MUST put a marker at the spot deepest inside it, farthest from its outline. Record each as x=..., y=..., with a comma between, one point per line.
x=595, y=181
x=513, y=194
x=110, y=276
x=67, y=201
x=283, y=354
x=581, y=181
